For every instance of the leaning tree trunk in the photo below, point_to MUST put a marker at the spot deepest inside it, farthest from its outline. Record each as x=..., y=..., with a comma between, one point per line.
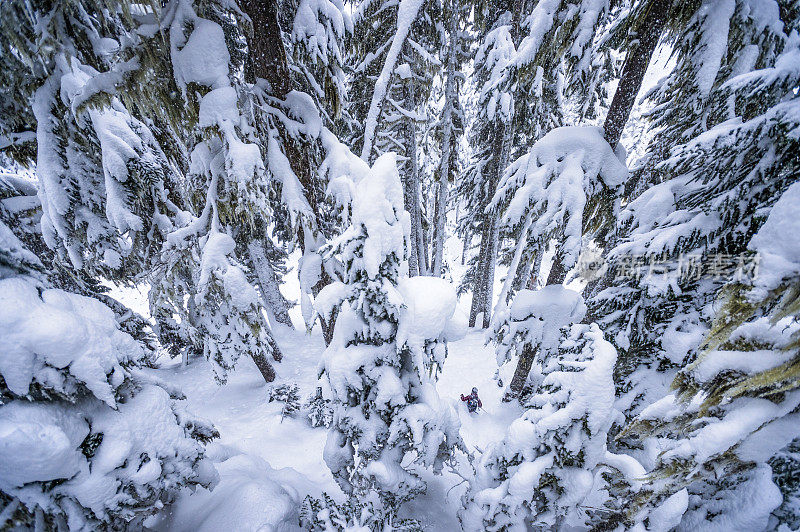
x=267, y=60
x=633, y=71
x=558, y=273
x=262, y=362
x=521, y=372
x=277, y=306
x=630, y=83
x=625, y=96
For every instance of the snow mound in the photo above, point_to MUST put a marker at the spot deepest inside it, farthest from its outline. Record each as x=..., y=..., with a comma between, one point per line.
x=38, y=443
x=204, y=58
x=98, y=456
x=251, y=496
x=544, y=312
x=59, y=340
x=430, y=310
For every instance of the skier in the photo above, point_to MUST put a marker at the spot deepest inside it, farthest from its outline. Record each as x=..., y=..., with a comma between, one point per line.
x=472, y=400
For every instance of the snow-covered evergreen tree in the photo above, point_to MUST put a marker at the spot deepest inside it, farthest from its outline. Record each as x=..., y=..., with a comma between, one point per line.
x=89, y=439
x=736, y=405
x=548, y=468
x=294, y=59
x=549, y=194
x=103, y=174
x=393, y=58
x=449, y=128
x=694, y=300
x=227, y=188
x=695, y=225
x=491, y=123
x=538, y=68
x=387, y=413
x=112, y=164
x=325, y=515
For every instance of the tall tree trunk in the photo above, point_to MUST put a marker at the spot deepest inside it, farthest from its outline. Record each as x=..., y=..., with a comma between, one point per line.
x=450, y=95
x=502, y=163
x=488, y=291
x=502, y=141
x=634, y=68
x=425, y=245
x=477, y=286
x=411, y=185
x=523, y=274
x=267, y=60
x=267, y=55
x=557, y=271
x=277, y=306
x=630, y=83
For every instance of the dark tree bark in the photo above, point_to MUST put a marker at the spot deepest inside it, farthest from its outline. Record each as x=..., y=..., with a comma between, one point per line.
x=634, y=68
x=267, y=60
x=263, y=364
x=266, y=52
x=520, y=374
x=467, y=245
x=557, y=271
x=277, y=306
x=410, y=192
x=264, y=367
x=479, y=275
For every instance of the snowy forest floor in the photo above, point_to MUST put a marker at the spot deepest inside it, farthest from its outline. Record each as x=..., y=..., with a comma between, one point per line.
x=258, y=452
x=249, y=425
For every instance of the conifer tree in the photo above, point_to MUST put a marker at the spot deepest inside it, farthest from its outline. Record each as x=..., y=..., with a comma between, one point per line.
x=550, y=463
x=386, y=409
x=91, y=441
x=700, y=214
x=112, y=164
x=393, y=58
x=295, y=62
x=542, y=69
x=550, y=189
x=743, y=384
x=451, y=125
x=704, y=305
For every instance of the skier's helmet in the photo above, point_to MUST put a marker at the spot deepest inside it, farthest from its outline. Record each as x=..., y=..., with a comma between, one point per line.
x=474, y=390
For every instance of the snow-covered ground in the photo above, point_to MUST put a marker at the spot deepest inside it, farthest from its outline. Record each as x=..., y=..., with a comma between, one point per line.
x=259, y=454
x=252, y=435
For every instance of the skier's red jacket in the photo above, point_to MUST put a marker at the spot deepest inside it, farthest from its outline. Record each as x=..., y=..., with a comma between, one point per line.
x=473, y=396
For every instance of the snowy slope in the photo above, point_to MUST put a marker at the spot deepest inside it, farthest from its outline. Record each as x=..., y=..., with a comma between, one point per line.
x=261, y=458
